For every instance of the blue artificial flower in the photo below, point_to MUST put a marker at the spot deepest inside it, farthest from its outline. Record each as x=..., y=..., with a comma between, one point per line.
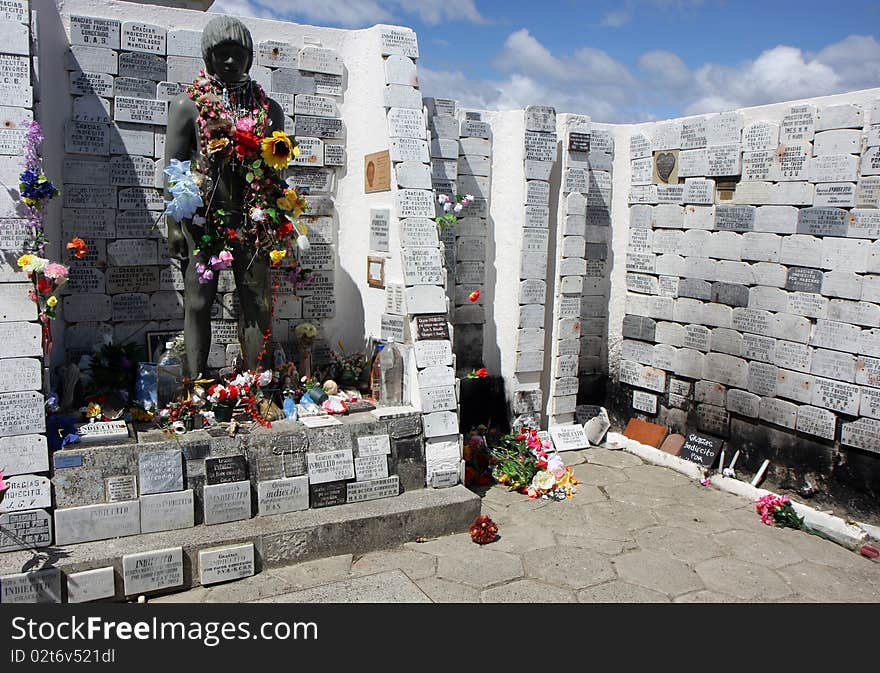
x=52, y=402
x=178, y=171
x=187, y=197
x=29, y=177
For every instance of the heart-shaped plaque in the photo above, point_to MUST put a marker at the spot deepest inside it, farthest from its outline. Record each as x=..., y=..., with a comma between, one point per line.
x=665, y=164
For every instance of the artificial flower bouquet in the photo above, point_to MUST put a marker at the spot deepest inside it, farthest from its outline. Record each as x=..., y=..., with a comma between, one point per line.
x=185, y=415
x=452, y=207
x=524, y=463
x=776, y=510
x=346, y=367
x=241, y=389
x=305, y=333
x=47, y=278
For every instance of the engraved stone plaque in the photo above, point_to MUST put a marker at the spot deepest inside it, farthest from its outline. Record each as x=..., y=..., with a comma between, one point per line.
x=160, y=471
x=223, y=564
x=227, y=502
x=167, y=511
x=96, y=522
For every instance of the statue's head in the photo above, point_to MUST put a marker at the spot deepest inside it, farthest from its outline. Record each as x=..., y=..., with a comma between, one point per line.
x=228, y=48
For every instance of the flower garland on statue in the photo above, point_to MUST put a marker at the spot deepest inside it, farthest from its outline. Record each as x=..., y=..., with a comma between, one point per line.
x=238, y=139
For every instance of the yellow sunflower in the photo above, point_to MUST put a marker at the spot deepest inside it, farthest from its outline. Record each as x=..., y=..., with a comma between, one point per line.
x=278, y=150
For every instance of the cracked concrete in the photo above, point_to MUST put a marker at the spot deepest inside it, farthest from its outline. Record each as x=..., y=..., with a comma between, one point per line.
x=635, y=533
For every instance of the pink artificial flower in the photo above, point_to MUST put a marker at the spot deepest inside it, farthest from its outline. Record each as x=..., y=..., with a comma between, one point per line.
x=3, y=484
x=225, y=256
x=246, y=125
x=556, y=466
x=55, y=271
x=204, y=272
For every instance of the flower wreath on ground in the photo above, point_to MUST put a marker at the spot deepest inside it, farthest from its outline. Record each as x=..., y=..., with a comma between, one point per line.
x=242, y=141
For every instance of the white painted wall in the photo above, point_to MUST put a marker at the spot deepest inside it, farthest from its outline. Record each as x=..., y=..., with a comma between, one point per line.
x=507, y=214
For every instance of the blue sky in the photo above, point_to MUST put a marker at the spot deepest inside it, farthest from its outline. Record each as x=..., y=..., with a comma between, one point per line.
x=623, y=61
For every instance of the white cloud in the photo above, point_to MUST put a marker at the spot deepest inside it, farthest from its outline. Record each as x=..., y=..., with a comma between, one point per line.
x=665, y=69
x=615, y=19
x=353, y=13
x=590, y=81
x=522, y=52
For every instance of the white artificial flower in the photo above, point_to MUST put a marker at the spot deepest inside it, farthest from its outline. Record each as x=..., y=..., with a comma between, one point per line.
x=543, y=480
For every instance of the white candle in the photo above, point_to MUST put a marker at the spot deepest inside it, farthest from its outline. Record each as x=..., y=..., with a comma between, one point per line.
x=761, y=472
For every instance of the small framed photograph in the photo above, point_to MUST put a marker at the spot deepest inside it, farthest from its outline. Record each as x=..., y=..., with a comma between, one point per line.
x=376, y=272
x=156, y=344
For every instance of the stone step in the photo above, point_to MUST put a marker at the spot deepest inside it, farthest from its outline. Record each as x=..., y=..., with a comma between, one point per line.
x=280, y=539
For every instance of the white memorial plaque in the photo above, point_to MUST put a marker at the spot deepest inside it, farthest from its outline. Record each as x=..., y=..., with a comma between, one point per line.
x=223, y=564
x=329, y=466
x=836, y=168
x=837, y=396
x=91, y=585
x=760, y=135
x=372, y=490
x=36, y=586
x=21, y=413
x=441, y=398
x=26, y=491
x=278, y=496
x=152, y=570
x=724, y=160
x=227, y=502
x=167, y=511
x=318, y=59
x=143, y=37
x=798, y=125
x=96, y=522
x=373, y=445
x=569, y=437
x=24, y=454
x=816, y=421
x=839, y=117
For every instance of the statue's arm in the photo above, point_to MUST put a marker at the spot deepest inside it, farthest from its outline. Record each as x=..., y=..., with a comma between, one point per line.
x=276, y=114
x=182, y=143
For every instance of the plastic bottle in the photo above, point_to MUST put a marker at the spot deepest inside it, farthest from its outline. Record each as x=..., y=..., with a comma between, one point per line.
x=376, y=374
x=170, y=375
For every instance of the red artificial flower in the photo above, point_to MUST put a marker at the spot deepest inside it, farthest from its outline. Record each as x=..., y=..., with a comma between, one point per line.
x=79, y=247
x=483, y=530
x=519, y=438
x=482, y=373
x=542, y=464
x=285, y=228
x=246, y=144
x=44, y=285
x=231, y=234
x=474, y=296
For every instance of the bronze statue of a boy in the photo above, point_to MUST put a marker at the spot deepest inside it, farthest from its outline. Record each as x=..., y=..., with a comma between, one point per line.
x=232, y=134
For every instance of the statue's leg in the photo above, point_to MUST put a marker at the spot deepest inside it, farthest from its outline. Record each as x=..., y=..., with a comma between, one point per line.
x=253, y=284
x=197, y=301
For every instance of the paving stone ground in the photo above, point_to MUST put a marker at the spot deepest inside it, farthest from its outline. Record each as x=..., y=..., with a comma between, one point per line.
x=634, y=533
